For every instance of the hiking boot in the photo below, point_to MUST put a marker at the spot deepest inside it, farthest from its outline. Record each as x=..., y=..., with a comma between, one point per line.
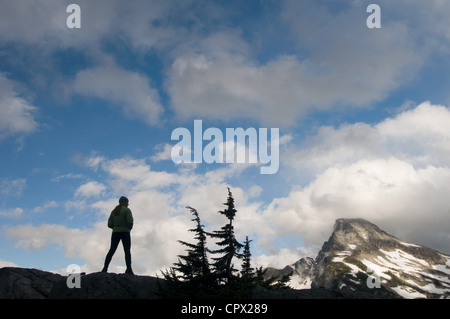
x=129, y=271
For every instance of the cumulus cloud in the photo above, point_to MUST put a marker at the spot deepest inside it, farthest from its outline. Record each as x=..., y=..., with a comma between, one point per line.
x=130, y=90
x=421, y=134
x=76, y=243
x=232, y=87
x=393, y=173
x=90, y=189
x=410, y=203
x=45, y=206
x=11, y=213
x=418, y=135
x=18, y=114
x=31, y=23
x=347, y=66
x=164, y=152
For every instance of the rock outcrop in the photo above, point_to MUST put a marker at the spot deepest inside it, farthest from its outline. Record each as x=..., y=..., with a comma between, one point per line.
x=22, y=283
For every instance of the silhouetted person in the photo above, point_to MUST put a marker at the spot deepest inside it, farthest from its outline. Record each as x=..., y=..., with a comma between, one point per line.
x=121, y=222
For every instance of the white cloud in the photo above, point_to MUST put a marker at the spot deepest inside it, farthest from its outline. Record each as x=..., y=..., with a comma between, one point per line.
x=232, y=87
x=18, y=115
x=334, y=146
x=33, y=23
x=93, y=161
x=75, y=243
x=131, y=175
x=90, y=189
x=130, y=90
x=284, y=89
x=4, y=263
x=164, y=152
x=66, y=176
x=283, y=257
x=347, y=65
x=408, y=202
x=11, y=213
x=45, y=206
x=419, y=135
x=12, y=188
x=394, y=173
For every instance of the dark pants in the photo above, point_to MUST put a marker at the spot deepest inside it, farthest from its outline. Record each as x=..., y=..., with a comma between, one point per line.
x=116, y=237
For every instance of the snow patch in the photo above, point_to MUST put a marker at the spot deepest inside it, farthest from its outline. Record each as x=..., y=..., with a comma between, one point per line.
x=408, y=244
x=404, y=260
x=408, y=292
x=297, y=282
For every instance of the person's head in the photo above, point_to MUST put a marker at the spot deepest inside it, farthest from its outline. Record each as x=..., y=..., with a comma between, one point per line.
x=123, y=201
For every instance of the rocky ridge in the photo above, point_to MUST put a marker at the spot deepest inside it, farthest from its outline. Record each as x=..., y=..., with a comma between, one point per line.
x=23, y=283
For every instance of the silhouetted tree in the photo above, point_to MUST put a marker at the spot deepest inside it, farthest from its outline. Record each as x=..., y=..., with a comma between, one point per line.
x=195, y=264
x=194, y=277
x=191, y=277
x=223, y=267
x=247, y=270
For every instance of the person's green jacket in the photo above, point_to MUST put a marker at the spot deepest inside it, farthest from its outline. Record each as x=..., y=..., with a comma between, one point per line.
x=123, y=222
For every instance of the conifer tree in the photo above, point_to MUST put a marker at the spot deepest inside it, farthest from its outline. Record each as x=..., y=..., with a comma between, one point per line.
x=195, y=264
x=247, y=270
x=223, y=267
x=190, y=277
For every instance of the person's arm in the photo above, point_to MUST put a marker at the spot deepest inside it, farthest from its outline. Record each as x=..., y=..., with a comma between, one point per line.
x=110, y=221
x=130, y=220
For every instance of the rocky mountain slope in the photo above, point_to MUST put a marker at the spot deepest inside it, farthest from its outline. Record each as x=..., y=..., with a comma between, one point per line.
x=360, y=257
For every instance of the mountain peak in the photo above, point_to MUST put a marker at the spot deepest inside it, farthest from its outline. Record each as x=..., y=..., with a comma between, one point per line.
x=343, y=222
x=359, y=252
x=356, y=233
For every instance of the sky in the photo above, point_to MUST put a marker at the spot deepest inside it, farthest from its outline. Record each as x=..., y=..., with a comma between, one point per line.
x=88, y=115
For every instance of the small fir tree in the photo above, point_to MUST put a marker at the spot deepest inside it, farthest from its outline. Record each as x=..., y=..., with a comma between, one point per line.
x=247, y=270
x=191, y=277
x=223, y=267
x=195, y=264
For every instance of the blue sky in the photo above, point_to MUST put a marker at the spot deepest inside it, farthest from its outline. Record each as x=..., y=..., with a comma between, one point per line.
x=88, y=113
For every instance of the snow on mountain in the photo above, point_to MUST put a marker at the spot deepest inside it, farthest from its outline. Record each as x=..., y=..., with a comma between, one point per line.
x=360, y=257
